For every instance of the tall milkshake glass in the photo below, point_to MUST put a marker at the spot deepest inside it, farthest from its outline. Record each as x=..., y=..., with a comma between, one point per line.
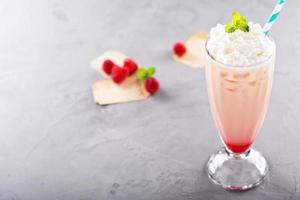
x=238, y=97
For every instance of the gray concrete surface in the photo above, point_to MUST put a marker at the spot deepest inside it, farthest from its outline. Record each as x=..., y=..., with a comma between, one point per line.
x=55, y=143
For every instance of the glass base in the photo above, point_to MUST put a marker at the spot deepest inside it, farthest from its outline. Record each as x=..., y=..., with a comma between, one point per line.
x=237, y=171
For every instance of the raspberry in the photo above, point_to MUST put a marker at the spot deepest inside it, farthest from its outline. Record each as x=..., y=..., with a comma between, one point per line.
x=107, y=66
x=151, y=85
x=130, y=65
x=118, y=74
x=179, y=49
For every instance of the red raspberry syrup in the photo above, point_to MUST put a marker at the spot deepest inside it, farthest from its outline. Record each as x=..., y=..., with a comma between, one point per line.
x=238, y=148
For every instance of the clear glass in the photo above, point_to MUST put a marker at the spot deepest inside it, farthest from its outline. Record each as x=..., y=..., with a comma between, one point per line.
x=239, y=98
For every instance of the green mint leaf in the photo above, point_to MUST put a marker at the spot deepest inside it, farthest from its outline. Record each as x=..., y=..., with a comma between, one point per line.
x=142, y=74
x=244, y=27
x=235, y=16
x=229, y=27
x=237, y=22
x=243, y=18
x=151, y=71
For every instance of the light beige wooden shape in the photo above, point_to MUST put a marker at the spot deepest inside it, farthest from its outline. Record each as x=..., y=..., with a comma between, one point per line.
x=107, y=92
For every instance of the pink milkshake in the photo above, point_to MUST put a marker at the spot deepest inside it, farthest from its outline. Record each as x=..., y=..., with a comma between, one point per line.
x=239, y=99
x=239, y=74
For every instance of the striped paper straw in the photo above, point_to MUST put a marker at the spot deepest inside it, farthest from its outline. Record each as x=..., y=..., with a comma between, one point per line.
x=273, y=16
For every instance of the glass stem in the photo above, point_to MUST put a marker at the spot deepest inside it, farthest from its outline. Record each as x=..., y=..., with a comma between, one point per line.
x=238, y=156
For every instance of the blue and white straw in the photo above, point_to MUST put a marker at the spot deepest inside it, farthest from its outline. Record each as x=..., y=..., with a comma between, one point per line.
x=273, y=16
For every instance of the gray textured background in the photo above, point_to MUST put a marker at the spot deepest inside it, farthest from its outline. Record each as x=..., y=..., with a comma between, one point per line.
x=55, y=143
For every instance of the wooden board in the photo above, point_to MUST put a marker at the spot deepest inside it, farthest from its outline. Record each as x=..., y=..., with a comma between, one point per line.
x=107, y=92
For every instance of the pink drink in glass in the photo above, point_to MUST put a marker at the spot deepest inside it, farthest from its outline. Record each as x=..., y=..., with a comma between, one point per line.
x=239, y=99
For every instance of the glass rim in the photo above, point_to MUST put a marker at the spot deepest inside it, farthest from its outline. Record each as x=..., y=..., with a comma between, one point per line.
x=246, y=67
